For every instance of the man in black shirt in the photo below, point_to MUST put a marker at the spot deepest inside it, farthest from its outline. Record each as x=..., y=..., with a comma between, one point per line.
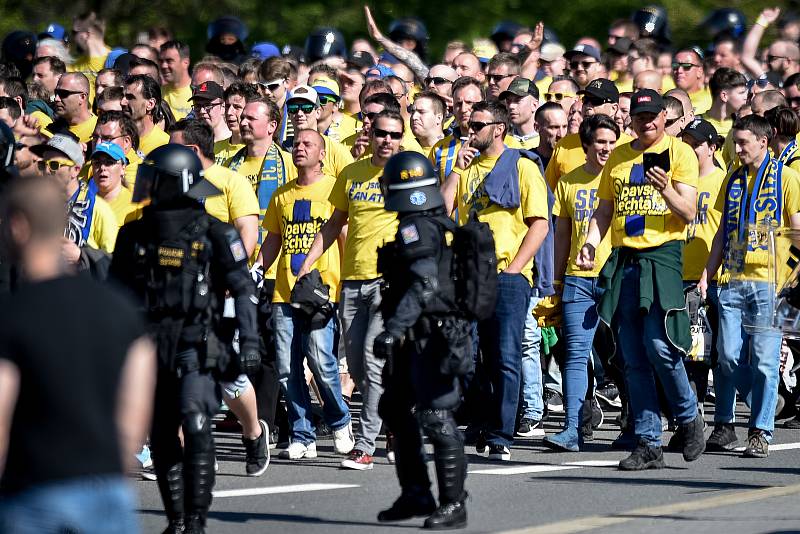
x=62, y=447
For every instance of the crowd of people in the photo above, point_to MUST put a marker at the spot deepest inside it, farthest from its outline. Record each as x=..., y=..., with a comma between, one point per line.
x=641, y=195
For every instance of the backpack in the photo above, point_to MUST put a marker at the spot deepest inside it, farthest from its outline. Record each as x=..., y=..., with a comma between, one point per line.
x=474, y=269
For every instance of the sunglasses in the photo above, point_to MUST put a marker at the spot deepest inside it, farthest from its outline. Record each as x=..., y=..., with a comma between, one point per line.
x=293, y=109
x=272, y=85
x=558, y=97
x=476, y=126
x=380, y=134
x=670, y=122
x=328, y=99
x=770, y=59
x=436, y=80
x=65, y=93
x=594, y=100
x=53, y=165
x=371, y=116
x=497, y=78
x=585, y=64
x=760, y=82
x=683, y=66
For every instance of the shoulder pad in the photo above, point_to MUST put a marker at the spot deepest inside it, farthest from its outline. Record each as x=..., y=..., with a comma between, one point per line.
x=417, y=237
x=227, y=238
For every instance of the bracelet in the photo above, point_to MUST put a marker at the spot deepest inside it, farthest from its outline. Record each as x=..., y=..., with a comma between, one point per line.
x=762, y=21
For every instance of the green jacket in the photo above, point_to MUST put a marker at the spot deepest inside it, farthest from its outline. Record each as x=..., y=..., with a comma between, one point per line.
x=661, y=270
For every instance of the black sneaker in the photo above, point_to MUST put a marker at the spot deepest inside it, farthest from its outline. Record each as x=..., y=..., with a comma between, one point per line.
x=693, y=440
x=529, y=427
x=643, y=457
x=176, y=526
x=480, y=443
x=609, y=395
x=757, y=445
x=499, y=452
x=793, y=423
x=722, y=438
x=448, y=516
x=408, y=506
x=257, y=452
x=553, y=401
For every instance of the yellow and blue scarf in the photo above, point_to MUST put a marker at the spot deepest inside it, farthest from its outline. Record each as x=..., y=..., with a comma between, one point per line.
x=763, y=206
x=80, y=213
x=790, y=153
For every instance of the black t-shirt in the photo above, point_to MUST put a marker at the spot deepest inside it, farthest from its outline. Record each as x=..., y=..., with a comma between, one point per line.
x=69, y=337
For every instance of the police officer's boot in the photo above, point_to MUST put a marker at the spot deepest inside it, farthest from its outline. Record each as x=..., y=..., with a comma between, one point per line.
x=451, y=470
x=198, y=470
x=170, y=485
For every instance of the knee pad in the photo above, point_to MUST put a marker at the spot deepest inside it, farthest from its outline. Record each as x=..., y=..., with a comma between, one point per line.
x=440, y=427
x=197, y=432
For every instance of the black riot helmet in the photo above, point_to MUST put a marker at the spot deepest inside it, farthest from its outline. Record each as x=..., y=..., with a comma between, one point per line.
x=505, y=31
x=324, y=42
x=653, y=22
x=725, y=20
x=19, y=47
x=219, y=41
x=409, y=184
x=169, y=173
x=410, y=28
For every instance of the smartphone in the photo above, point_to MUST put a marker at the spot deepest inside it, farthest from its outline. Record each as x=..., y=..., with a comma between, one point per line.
x=653, y=159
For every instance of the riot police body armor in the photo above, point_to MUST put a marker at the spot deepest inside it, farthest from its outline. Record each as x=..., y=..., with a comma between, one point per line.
x=180, y=261
x=424, y=334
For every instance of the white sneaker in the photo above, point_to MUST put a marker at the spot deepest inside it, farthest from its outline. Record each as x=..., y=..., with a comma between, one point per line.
x=343, y=441
x=297, y=450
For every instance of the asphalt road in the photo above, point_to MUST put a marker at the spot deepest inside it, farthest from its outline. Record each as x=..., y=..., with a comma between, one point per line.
x=537, y=491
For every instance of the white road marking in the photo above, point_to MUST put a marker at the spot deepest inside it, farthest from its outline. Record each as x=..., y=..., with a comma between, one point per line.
x=523, y=469
x=784, y=446
x=295, y=488
x=595, y=463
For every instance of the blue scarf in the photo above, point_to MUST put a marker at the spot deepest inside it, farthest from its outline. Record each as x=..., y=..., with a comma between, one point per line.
x=80, y=212
x=763, y=206
x=790, y=153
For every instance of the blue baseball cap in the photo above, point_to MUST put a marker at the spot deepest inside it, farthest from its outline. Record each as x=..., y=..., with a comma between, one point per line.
x=110, y=149
x=54, y=31
x=112, y=57
x=265, y=50
x=379, y=71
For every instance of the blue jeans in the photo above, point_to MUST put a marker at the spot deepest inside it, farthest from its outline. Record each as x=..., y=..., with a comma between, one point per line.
x=645, y=348
x=757, y=376
x=501, y=345
x=532, y=403
x=89, y=505
x=579, y=322
x=294, y=344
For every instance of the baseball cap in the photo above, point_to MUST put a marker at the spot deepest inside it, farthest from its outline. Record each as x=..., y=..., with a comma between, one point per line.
x=63, y=143
x=112, y=57
x=304, y=92
x=646, y=101
x=265, y=50
x=621, y=46
x=521, y=87
x=326, y=86
x=583, y=49
x=54, y=31
x=551, y=52
x=209, y=90
x=379, y=71
x=484, y=50
x=361, y=59
x=110, y=149
x=702, y=130
x=602, y=88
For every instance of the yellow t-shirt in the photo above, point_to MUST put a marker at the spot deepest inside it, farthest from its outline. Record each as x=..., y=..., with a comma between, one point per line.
x=124, y=210
x=526, y=143
x=177, y=98
x=152, y=140
x=134, y=159
x=44, y=120
x=753, y=268
x=543, y=85
x=358, y=193
x=90, y=66
x=342, y=127
x=722, y=127
x=568, y=155
x=641, y=217
x=103, y=233
x=624, y=87
x=408, y=144
x=337, y=157
x=224, y=151
x=576, y=200
x=701, y=100
x=700, y=233
x=507, y=224
x=85, y=129
x=296, y=213
x=237, y=199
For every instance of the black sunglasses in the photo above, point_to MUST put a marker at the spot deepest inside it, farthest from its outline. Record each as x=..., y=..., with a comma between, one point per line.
x=670, y=122
x=476, y=126
x=436, y=80
x=65, y=93
x=292, y=109
x=497, y=78
x=585, y=64
x=379, y=133
x=371, y=116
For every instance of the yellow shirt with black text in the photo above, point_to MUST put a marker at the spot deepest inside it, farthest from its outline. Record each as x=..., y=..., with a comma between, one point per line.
x=700, y=232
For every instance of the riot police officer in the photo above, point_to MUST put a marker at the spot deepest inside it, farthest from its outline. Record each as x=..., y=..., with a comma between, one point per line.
x=426, y=341
x=181, y=262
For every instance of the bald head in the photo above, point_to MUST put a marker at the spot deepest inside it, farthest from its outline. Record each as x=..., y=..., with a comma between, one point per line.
x=686, y=102
x=766, y=100
x=404, y=73
x=468, y=64
x=443, y=71
x=648, y=79
x=74, y=81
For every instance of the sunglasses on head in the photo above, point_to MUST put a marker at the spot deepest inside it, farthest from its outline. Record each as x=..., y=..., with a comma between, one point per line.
x=558, y=97
x=293, y=109
x=585, y=64
x=53, y=165
x=683, y=66
x=65, y=93
x=379, y=133
x=497, y=78
x=436, y=80
x=477, y=126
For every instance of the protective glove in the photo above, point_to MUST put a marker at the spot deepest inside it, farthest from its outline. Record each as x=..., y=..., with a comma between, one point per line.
x=249, y=356
x=384, y=346
x=257, y=272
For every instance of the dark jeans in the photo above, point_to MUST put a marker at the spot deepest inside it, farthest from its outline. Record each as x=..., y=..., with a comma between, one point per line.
x=500, y=340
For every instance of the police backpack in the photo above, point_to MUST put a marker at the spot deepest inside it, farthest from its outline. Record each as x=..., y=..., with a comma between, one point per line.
x=474, y=269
